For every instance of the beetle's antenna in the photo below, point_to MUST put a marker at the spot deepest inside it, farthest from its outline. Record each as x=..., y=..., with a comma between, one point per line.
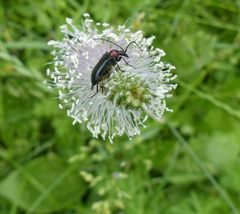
x=110, y=42
x=132, y=42
x=128, y=63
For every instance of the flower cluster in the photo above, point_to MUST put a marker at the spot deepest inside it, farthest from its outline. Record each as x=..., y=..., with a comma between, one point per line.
x=132, y=90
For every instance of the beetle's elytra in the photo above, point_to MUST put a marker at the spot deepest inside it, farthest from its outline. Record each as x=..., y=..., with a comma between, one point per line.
x=111, y=58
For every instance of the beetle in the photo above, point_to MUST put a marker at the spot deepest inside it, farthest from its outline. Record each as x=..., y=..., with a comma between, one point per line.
x=109, y=59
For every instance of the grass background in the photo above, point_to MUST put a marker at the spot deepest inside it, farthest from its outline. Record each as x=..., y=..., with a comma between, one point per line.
x=187, y=164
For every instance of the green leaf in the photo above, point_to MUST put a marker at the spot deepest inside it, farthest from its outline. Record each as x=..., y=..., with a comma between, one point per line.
x=46, y=184
x=223, y=149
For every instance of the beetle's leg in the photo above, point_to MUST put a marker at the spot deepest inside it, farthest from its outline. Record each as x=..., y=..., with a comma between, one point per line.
x=117, y=65
x=101, y=88
x=95, y=92
x=128, y=63
x=93, y=95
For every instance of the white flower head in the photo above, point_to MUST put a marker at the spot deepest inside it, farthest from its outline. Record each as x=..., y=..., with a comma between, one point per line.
x=130, y=88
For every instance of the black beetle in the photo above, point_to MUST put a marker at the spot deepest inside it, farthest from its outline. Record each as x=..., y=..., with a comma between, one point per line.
x=111, y=58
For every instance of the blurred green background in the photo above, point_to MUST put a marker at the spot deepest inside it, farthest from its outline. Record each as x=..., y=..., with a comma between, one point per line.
x=187, y=164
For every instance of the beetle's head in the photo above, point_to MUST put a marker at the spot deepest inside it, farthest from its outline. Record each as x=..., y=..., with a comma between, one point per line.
x=123, y=53
x=118, y=54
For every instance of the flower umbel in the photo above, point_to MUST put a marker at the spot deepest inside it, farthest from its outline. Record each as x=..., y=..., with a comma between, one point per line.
x=133, y=88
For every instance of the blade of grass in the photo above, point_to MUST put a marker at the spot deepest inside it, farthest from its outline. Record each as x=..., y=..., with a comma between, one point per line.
x=16, y=63
x=1, y=106
x=29, y=177
x=211, y=99
x=26, y=45
x=175, y=22
x=193, y=85
x=195, y=158
x=50, y=188
x=213, y=23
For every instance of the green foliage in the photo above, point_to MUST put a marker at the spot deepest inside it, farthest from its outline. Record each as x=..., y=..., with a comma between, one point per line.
x=43, y=185
x=188, y=163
